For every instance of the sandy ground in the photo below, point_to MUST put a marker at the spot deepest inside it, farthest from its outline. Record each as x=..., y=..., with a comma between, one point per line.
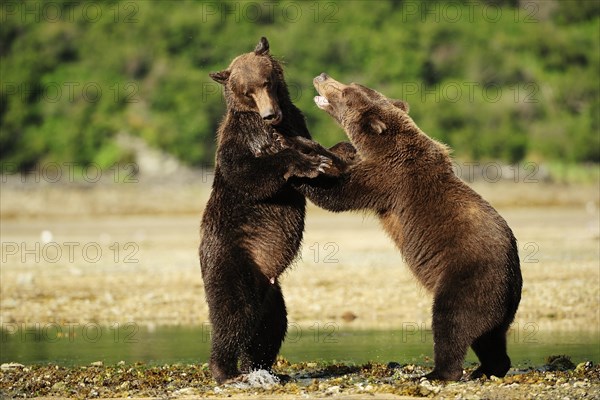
x=122, y=253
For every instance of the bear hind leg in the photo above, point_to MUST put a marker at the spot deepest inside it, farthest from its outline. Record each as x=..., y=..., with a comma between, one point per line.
x=490, y=348
x=449, y=355
x=232, y=318
x=451, y=340
x=222, y=363
x=269, y=333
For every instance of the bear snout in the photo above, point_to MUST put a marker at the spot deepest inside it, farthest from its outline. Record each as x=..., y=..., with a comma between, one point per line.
x=271, y=116
x=322, y=77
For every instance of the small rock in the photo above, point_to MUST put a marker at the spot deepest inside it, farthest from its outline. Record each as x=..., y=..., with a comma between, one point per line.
x=333, y=389
x=349, y=316
x=108, y=297
x=581, y=384
x=25, y=279
x=559, y=363
x=188, y=391
x=424, y=391
x=46, y=236
x=426, y=387
x=121, y=363
x=97, y=364
x=59, y=387
x=584, y=366
x=393, y=365
x=9, y=366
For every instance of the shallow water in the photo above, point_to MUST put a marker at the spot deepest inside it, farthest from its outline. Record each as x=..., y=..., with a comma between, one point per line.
x=82, y=344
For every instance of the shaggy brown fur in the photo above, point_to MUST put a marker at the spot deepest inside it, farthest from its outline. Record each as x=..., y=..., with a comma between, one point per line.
x=454, y=242
x=253, y=223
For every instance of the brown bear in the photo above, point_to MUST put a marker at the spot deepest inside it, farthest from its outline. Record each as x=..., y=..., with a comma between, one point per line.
x=454, y=242
x=253, y=223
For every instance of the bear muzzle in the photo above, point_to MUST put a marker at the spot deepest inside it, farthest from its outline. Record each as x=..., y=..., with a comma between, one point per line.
x=322, y=77
x=271, y=116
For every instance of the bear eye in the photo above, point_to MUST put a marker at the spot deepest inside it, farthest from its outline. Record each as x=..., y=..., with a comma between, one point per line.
x=267, y=84
x=247, y=94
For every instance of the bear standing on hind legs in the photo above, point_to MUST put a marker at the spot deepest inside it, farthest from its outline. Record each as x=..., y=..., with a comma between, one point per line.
x=253, y=223
x=453, y=241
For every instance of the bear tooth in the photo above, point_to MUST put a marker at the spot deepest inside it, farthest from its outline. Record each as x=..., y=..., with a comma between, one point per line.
x=321, y=101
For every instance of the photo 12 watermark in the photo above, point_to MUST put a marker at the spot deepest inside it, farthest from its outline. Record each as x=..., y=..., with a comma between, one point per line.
x=51, y=332
x=493, y=171
x=324, y=252
x=470, y=92
x=126, y=12
x=317, y=332
x=451, y=12
x=324, y=12
x=446, y=92
x=210, y=89
x=73, y=91
x=52, y=252
x=70, y=172
x=524, y=333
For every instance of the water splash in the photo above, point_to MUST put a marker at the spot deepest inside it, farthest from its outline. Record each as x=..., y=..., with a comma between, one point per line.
x=257, y=379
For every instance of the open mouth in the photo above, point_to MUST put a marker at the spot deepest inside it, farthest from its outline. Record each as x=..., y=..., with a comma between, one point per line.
x=321, y=102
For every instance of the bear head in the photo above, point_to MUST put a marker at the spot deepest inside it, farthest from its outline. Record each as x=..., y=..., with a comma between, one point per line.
x=367, y=116
x=252, y=82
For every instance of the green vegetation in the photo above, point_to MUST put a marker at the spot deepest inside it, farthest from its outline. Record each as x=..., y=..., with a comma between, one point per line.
x=503, y=80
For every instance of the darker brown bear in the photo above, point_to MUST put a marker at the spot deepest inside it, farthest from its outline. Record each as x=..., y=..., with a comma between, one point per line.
x=253, y=223
x=454, y=242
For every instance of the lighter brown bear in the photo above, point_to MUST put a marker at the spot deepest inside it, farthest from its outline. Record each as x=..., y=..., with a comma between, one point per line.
x=455, y=242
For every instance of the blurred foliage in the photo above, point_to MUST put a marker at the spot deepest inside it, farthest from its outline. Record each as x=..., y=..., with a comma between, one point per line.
x=505, y=80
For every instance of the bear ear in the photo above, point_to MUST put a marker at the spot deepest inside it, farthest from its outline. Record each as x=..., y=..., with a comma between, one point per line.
x=262, y=48
x=220, y=77
x=401, y=104
x=377, y=125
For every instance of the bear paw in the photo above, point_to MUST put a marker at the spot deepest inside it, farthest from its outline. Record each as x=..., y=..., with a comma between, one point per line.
x=309, y=166
x=277, y=143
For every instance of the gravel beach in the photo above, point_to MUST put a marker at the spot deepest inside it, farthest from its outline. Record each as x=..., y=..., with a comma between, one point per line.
x=308, y=380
